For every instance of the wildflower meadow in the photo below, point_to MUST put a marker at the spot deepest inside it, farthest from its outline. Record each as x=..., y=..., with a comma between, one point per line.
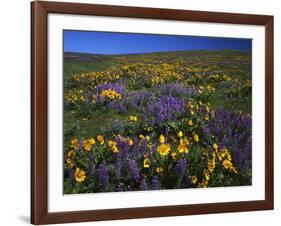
x=151, y=121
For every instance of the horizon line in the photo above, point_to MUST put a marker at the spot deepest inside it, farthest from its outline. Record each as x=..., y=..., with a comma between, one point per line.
x=168, y=51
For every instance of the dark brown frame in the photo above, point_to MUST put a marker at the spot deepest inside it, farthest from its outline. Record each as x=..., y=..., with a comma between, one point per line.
x=39, y=109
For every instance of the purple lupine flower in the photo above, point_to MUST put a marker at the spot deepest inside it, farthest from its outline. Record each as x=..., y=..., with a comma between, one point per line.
x=117, y=165
x=155, y=183
x=133, y=169
x=176, y=89
x=103, y=175
x=143, y=146
x=181, y=167
x=153, y=148
x=81, y=144
x=70, y=173
x=143, y=185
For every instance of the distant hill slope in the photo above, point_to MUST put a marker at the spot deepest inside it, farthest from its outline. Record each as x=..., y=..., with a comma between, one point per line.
x=86, y=62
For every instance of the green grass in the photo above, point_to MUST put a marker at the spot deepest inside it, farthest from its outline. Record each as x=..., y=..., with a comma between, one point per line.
x=72, y=67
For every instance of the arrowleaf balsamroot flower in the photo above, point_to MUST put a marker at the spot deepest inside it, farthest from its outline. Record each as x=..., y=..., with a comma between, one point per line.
x=75, y=143
x=196, y=137
x=79, y=175
x=113, y=146
x=190, y=122
x=180, y=134
x=100, y=139
x=162, y=139
x=133, y=118
x=163, y=149
x=182, y=148
x=159, y=170
x=146, y=163
x=194, y=179
x=87, y=144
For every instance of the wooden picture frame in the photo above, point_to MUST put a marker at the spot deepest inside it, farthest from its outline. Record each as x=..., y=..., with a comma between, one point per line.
x=39, y=112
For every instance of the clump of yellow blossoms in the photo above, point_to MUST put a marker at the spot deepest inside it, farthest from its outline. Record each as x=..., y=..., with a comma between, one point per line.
x=110, y=94
x=113, y=146
x=224, y=157
x=182, y=147
x=68, y=158
x=79, y=175
x=87, y=144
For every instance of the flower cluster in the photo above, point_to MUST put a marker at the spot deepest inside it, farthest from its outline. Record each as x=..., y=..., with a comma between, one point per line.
x=110, y=94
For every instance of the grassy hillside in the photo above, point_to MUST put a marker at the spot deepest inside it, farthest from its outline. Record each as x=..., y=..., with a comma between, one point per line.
x=157, y=111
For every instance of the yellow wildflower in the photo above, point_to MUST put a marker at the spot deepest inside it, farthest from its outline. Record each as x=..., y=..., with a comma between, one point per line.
x=212, y=163
x=130, y=141
x=70, y=154
x=190, y=123
x=174, y=155
x=141, y=136
x=133, y=118
x=113, y=146
x=215, y=146
x=196, y=137
x=80, y=175
x=162, y=139
x=194, y=179
x=114, y=149
x=100, y=139
x=146, y=163
x=163, y=149
x=75, y=143
x=147, y=138
x=92, y=141
x=184, y=141
x=207, y=117
x=87, y=144
x=190, y=104
x=69, y=162
x=226, y=164
x=207, y=175
x=180, y=134
x=159, y=170
x=111, y=143
x=182, y=148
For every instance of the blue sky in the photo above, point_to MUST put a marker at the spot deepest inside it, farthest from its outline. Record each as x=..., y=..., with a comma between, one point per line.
x=123, y=43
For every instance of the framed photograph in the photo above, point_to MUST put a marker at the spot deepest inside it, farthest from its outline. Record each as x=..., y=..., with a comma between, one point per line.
x=147, y=112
